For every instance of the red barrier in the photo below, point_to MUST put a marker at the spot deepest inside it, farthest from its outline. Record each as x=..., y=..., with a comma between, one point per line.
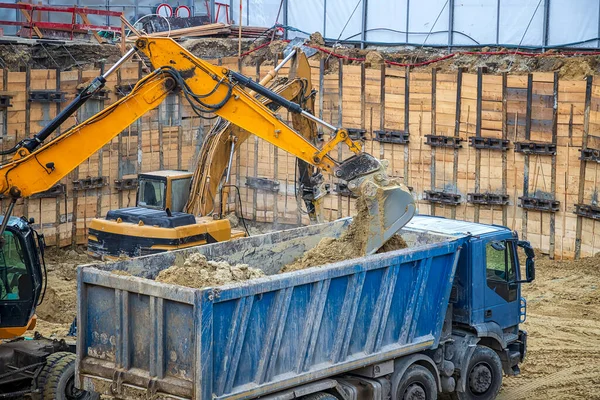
x=28, y=11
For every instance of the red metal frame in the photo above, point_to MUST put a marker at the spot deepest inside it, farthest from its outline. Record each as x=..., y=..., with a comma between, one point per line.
x=82, y=12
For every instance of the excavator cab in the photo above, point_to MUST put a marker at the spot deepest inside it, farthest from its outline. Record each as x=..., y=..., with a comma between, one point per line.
x=162, y=190
x=157, y=223
x=21, y=279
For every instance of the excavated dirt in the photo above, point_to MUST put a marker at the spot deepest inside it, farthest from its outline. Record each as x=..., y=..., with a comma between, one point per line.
x=352, y=244
x=563, y=322
x=198, y=272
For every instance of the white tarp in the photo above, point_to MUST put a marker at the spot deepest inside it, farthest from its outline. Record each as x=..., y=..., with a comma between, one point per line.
x=386, y=21
x=306, y=15
x=475, y=22
x=516, y=16
x=422, y=16
x=343, y=19
x=573, y=21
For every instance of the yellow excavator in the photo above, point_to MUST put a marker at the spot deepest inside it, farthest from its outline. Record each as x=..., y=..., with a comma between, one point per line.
x=44, y=367
x=179, y=209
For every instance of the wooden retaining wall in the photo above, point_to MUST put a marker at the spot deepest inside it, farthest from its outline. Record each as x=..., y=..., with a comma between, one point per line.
x=460, y=141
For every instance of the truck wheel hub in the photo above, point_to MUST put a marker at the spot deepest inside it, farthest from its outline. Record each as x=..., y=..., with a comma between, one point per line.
x=414, y=392
x=480, y=379
x=71, y=392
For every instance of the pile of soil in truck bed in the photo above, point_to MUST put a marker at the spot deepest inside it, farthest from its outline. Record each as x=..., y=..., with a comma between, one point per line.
x=198, y=272
x=352, y=244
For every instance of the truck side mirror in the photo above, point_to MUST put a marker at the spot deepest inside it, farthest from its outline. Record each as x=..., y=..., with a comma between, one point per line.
x=530, y=262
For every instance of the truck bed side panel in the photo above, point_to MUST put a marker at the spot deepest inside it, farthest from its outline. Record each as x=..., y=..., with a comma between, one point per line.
x=243, y=341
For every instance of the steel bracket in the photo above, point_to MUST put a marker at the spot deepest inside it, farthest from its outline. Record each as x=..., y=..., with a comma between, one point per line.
x=356, y=133
x=126, y=184
x=90, y=183
x=389, y=136
x=442, y=197
x=547, y=149
x=590, y=155
x=537, y=204
x=488, y=199
x=443, y=141
x=268, y=185
x=101, y=94
x=46, y=96
x=57, y=190
x=587, y=211
x=489, y=143
x=5, y=101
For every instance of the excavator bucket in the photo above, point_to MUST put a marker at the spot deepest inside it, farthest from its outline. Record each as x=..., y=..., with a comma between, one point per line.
x=390, y=208
x=384, y=205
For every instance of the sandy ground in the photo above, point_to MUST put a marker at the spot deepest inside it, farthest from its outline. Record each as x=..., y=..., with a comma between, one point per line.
x=563, y=324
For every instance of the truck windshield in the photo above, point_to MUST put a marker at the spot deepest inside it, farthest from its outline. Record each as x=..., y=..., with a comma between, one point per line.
x=15, y=280
x=152, y=194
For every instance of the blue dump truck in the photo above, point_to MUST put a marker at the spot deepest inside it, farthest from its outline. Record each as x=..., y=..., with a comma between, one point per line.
x=439, y=318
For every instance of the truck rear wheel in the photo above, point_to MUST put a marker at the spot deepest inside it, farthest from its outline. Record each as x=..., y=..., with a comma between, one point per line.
x=484, y=377
x=57, y=379
x=417, y=383
x=320, y=396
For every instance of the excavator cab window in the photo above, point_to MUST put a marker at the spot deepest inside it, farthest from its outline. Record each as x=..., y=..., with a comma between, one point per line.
x=17, y=287
x=16, y=281
x=180, y=193
x=152, y=194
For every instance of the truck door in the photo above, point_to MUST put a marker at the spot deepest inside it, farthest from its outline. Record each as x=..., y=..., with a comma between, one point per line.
x=502, y=290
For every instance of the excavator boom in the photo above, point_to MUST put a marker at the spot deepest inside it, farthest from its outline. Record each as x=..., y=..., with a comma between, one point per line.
x=210, y=90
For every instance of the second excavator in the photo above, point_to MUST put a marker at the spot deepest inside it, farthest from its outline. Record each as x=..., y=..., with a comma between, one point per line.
x=210, y=90
x=194, y=199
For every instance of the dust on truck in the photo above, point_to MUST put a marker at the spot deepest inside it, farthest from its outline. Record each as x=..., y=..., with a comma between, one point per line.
x=438, y=317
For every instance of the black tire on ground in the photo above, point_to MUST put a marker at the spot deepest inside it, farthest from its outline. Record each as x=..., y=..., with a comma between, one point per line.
x=485, y=376
x=320, y=396
x=57, y=379
x=417, y=383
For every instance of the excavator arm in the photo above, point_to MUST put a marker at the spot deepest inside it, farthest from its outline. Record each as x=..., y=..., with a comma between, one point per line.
x=30, y=173
x=210, y=90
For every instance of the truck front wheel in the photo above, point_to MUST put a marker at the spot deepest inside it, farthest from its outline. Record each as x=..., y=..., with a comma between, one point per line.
x=57, y=379
x=484, y=377
x=417, y=384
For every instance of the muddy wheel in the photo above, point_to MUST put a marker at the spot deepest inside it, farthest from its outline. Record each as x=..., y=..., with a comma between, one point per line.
x=485, y=376
x=320, y=396
x=57, y=379
x=417, y=383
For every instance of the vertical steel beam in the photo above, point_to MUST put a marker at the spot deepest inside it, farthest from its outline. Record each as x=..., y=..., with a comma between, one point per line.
x=583, y=163
x=478, y=134
x=407, y=18
x=286, y=5
x=211, y=11
x=498, y=22
x=526, y=156
x=450, y=24
x=433, y=130
x=247, y=13
x=324, y=18
x=504, y=153
x=553, y=171
x=363, y=34
x=546, y=24
x=457, y=116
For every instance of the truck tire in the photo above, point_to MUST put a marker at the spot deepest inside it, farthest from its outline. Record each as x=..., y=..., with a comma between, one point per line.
x=417, y=383
x=484, y=378
x=320, y=396
x=57, y=379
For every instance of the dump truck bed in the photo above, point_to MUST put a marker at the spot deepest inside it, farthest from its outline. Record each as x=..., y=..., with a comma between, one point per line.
x=138, y=337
